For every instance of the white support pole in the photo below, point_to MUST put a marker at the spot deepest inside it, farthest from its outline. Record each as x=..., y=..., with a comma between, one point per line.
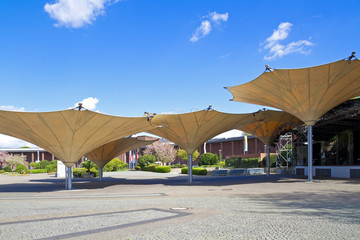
x=100, y=174
x=66, y=178
x=68, y=173
x=310, y=154
x=267, y=147
x=190, y=176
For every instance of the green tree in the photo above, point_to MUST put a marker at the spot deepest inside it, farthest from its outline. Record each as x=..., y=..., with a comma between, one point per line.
x=184, y=155
x=208, y=159
x=145, y=160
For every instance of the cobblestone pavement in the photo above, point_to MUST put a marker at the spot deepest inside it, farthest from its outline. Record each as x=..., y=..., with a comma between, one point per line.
x=138, y=205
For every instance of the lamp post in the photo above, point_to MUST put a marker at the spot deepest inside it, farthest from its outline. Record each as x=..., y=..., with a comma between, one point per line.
x=220, y=158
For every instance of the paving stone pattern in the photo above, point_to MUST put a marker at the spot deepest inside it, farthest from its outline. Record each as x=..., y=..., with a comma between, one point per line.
x=130, y=208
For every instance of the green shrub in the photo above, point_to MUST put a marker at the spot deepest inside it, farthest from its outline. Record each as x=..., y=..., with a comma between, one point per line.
x=43, y=164
x=79, y=172
x=232, y=162
x=162, y=169
x=150, y=167
x=178, y=165
x=7, y=169
x=222, y=163
x=250, y=162
x=21, y=169
x=33, y=171
x=115, y=165
x=52, y=167
x=196, y=171
x=1, y=171
x=94, y=171
x=35, y=165
x=146, y=160
x=272, y=161
x=199, y=171
x=208, y=159
x=137, y=168
x=88, y=165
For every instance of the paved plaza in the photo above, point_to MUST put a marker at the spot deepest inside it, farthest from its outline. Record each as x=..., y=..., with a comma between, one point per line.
x=144, y=205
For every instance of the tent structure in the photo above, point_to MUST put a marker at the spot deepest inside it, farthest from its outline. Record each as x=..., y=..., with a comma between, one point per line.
x=105, y=153
x=190, y=130
x=306, y=93
x=69, y=134
x=269, y=126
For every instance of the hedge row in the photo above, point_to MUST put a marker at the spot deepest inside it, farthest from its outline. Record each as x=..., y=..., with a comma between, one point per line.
x=196, y=171
x=32, y=171
x=163, y=169
x=250, y=162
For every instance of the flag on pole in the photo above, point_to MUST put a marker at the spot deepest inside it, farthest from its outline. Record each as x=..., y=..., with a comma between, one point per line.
x=245, y=144
x=130, y=157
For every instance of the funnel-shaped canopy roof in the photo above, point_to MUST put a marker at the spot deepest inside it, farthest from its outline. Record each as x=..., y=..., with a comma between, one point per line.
x=190, y=130
x=306, y=93
x=69, y=134
x=270, y=124
x=105, y=153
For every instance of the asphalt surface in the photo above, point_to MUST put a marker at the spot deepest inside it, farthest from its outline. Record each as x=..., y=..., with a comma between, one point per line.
x=145, y=205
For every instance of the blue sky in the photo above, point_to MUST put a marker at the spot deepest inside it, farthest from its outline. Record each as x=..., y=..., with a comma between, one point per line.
x=127, y=57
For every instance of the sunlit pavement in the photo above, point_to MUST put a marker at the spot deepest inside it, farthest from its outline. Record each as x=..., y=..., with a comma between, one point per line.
x=145, y=205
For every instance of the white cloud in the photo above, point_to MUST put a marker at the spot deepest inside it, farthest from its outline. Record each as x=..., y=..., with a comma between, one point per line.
x=206, y=25
x=203, y=30
x=278, y=50
x=230, y=134
x=12, y=108
x=11, y=142
x=88, y=103
x=76, y=13
x=217, y=17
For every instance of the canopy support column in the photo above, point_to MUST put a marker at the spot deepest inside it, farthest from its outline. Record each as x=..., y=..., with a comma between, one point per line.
x=310, y=154
x=100, y=174
x=68, y=173
x=189, y=163
x=267, y=147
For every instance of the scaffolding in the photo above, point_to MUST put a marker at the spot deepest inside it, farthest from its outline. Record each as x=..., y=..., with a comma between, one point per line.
x=284, y=153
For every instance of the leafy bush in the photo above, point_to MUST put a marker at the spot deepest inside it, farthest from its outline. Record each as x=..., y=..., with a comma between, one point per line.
x=137, y=168
x=79, y=172
x=43, y=164
x=94, y=171
x=196, y=171
x=232, y=162
x=150, y=167
x=21, y=169
x=88, y=165
x=199, y=171
x=178, y=165
x=250, y=162
x=2, y=171
x=272, y=161
x=162, y=169
x=208, y=159
x=146, y=160
x=33, y=171
x=35, y=165
x=52, y=167
x=7, y=169
x=115, y=165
